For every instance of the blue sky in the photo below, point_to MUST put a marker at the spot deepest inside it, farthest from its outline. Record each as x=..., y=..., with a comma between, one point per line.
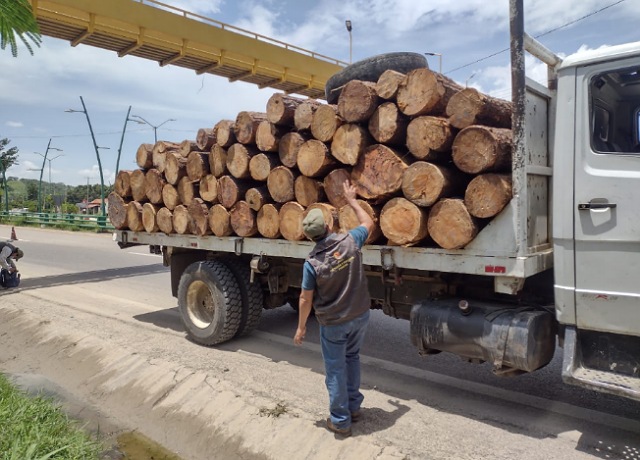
x=36, y=90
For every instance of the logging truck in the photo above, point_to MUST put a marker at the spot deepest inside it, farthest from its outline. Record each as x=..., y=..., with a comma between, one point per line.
x=503, y=227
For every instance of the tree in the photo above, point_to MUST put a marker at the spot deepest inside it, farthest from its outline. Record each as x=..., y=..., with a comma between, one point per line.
x=8, y=157
x=17, y=20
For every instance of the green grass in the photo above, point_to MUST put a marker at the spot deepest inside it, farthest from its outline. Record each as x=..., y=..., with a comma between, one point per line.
x=35, y=428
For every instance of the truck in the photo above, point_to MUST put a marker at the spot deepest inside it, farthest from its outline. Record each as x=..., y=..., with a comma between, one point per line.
x=555, y=267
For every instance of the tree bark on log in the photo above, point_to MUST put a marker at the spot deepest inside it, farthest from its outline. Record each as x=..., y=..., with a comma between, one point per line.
x=209, y=188
x=268, y=221
x=404, y=223
x=281, y=184
x=291, y=215
x=218, y=161
x=220, y=221
x=197, y=165
x=308, y=191
x=238, y=158
x=182, y=223
x=153, y=183
x=149, y=217
x=160, y=150
x=257, y=197
x=314, y=159
x=349, y=220
x=303, y=116
x=330, y=214
x=450, y=224
x=117, y=211
x=175, y=167
x=187, y=190
x=231, y=190
x=165, y=220
x=424, y=183
x=260, y=166
x=388, y=125
x=123, y=184
x=470, y=107
x=387, y=84
x=479, y=149
x=289, y=147
x=430, y=138
x=281, y=109
x=199, y=215
x=325, y=122
x=225, y=136
x=358, y=100
x=488, y=194
x=134, y=216
x=349, y=142
x=170, y=196
x=137, y=181
x=378, y=173
x=333, y=186
x=268, y=136
x=425, y=92
x=243, y=219
x=187, y=146
x=205, y=139
x=144, y=156
x=247, y=125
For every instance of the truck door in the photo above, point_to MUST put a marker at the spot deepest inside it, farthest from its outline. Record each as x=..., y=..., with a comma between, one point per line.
x=607, y=197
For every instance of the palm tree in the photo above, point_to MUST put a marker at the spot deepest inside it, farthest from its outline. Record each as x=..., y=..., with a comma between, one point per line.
x=17, y=20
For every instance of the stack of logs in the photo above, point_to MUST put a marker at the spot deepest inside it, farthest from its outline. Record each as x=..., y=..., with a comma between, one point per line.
x=430, y=162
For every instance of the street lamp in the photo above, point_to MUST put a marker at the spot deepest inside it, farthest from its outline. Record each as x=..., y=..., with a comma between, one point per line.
x=439, y=60
x=466, y=82
x=42, y=170
x=348, y=24
x=126, y=120
x=155, y=127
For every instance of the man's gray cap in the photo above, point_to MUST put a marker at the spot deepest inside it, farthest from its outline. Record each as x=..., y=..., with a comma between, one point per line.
x=313, y=224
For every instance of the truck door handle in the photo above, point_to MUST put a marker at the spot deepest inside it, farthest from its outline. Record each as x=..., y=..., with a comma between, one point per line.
x=589, y=206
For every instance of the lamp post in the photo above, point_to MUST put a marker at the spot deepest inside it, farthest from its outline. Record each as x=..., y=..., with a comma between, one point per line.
x=126, y=120
x=42, y=170
x=51, y=183
x=439, y=60
x=155, y=127
x=347, y=23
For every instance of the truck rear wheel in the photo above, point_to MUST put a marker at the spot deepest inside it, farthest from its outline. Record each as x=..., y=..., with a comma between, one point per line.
x=252, y=298
x=210, y=302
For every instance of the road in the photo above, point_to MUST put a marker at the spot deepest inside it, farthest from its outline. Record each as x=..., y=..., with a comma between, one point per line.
x=132, y=285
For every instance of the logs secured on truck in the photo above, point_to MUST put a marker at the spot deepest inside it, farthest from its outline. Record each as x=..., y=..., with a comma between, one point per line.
x=470, y=107
x=378, y=173
x=123, y=184
x=488, y=194
x=450, y=224
x=117, y=209
x=403, y=222
x=425, y=92
x=478, y=149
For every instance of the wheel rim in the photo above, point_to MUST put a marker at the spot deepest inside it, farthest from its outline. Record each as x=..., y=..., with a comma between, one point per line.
x=200, y=304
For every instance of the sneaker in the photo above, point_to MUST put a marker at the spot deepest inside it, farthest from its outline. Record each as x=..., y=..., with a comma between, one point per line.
x=346, y=432
x=356, y=416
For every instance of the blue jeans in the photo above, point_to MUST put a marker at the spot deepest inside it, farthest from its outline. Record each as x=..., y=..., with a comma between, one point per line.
x=341, y=353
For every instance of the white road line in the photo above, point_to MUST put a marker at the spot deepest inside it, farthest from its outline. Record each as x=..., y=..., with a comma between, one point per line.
x=145, y=254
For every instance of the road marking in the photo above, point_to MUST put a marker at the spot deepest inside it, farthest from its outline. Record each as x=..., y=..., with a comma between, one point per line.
x=145, y=254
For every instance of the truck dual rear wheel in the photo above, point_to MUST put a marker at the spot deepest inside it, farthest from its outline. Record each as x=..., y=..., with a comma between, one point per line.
x=210, y=302
x=252, y=297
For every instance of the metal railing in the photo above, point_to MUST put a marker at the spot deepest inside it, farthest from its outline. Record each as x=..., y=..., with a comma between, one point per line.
x=94, y=222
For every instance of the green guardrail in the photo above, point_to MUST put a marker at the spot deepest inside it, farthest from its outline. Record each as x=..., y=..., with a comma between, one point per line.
x=94, y=222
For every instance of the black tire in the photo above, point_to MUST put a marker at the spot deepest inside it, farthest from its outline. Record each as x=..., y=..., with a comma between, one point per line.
x=252, y=297
x=210, y=302
x=370, y=69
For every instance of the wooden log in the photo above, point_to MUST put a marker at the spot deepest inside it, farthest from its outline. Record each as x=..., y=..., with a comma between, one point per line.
x=314, y=159
x=478, y=149
x=134, y=216
x=378, y=173
x=138, y=185
x=231, y=190
x=209, y=188
x=450, y=224
x=430, y=138
x=333, y=186
x=404, y=223
x=187, y=190
x=261, y=165
x=153, y=183
x=291, y=215
x=175, y=167
x=199, y=215
x=325, y=122
x=488, y=194
x=268, y=221
x=218, y=161
x=238, y=158
x=197, y=165
x=303, y=116
x=182, y=223
x=289, y=147
x=243, y=219
x=308, y=191
x=160, y=150
x=170, y=196
x=268, y=136
x=358, y=100
x=349, y=142
x=187, y=146
x=349, y=220
x=225, y=136
x=117, y=211
x=470, y=107
x=149, y=217
x=281, y=184
x=144, y=156
x=330, y=214
x=281, y=109
x=123, y=183
x=387, y=84
x=220, y=221
x=425, y=92
x=164, y=217
x=246, y=126
x=388, y=125
x=424, y=183
x=257, y=197
x=205, y=139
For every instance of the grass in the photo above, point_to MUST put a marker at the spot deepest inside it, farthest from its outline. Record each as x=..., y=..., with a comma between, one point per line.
x=35, y=428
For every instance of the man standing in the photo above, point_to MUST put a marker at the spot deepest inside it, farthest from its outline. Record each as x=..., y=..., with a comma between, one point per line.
x=335, y=285
x=8, y=253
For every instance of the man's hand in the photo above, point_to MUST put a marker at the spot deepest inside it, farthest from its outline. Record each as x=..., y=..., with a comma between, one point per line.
x=12, y=270
x=349, y=191
x=300, y=334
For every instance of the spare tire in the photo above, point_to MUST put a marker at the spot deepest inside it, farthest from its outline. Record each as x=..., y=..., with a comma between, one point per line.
x=370, y=69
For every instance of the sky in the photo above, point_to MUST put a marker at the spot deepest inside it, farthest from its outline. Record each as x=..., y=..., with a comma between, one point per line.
x=36, y=90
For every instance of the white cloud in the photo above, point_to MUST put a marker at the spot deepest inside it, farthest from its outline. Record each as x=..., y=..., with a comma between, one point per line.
x=14, y=124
